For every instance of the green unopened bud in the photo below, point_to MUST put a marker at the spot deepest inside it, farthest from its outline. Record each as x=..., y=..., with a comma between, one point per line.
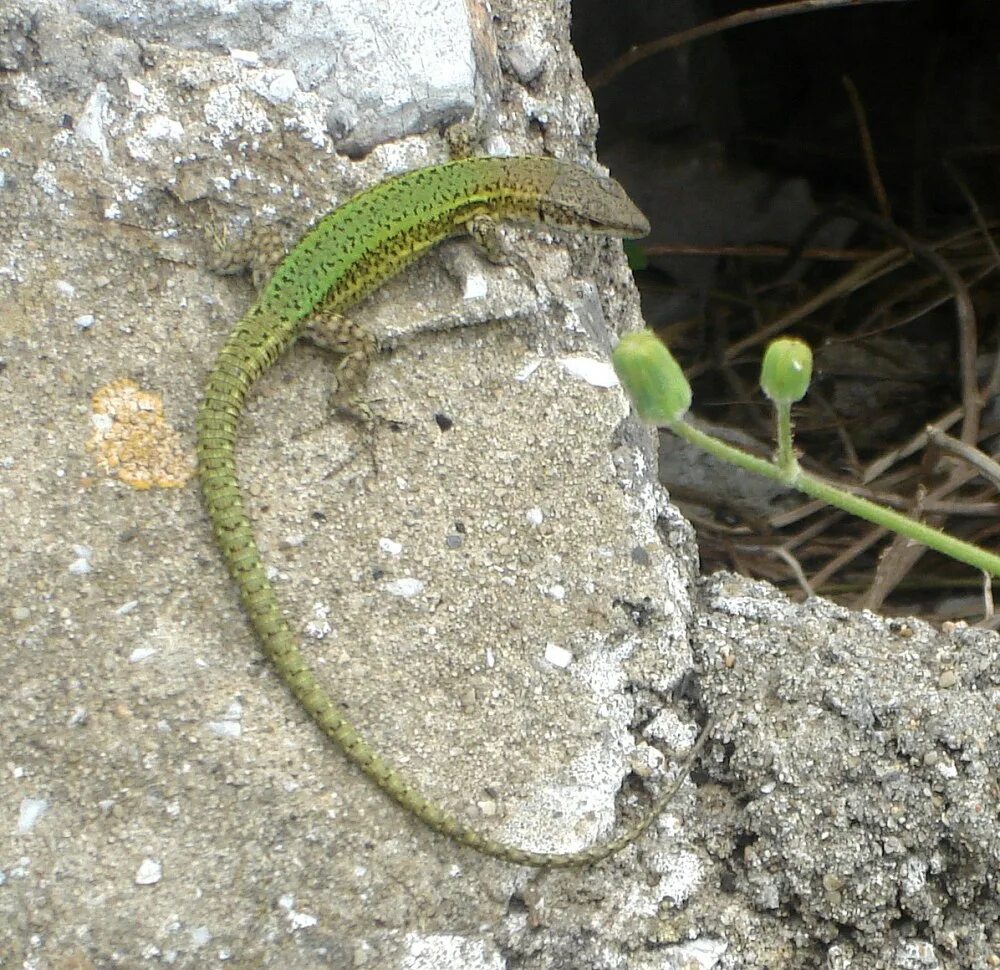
x=787, y=370
x=651, y=377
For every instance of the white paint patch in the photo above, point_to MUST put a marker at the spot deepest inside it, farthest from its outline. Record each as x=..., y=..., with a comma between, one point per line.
x=597, y=373
x=226, y=729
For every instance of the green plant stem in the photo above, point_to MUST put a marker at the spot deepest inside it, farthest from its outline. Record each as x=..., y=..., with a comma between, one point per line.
x=786, y=450
x=832, y=494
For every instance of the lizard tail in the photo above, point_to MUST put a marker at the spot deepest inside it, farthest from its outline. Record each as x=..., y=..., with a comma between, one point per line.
x=224, y=503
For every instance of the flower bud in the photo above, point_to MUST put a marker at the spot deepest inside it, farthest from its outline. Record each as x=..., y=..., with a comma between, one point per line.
x=651, y=377
x=787, y=370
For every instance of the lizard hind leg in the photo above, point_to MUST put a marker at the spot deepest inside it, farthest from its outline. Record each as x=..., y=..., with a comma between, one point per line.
x=354, y=345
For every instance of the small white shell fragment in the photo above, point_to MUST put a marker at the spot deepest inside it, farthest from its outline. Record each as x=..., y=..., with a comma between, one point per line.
x=389, y=546
x=319, y=626
x=297, y=921
x=535, y=516
x=448, y=951
x=228, y=726
x=282, y=85
x=558, y=656
x=475, y=286
x=597, y=373
x=250, y=58
x=407, y=588
x=529, y=368
x=161, y=128
x=667, y=727
x=149, y=873
x=31, y=810
x=140, y=654
x=946, y=768
x=81, y=565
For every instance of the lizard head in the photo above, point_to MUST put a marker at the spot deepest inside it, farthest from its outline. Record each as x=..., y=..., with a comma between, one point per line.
x=579, y=199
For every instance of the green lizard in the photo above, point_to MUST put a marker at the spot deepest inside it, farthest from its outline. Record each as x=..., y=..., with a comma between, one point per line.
x=342, y=258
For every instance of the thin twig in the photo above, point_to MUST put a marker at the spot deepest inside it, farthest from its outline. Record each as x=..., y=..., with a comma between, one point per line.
x=853, y=279
x=868, y=148
x=641, y=51
x=917, y=443
x=988, y=611
x=985, y=465
x=897, y=559
x=865, y=327
x=763, y=250
x=855, y=549
x=972, y=399
x=970, y=201
x=793, y=564
x=993, y=385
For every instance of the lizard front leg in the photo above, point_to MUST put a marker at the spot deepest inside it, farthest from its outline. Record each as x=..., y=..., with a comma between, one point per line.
x=259, y=252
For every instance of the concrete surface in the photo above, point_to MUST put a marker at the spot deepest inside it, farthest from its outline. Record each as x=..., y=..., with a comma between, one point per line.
x=496, y=588
x=465, y=586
